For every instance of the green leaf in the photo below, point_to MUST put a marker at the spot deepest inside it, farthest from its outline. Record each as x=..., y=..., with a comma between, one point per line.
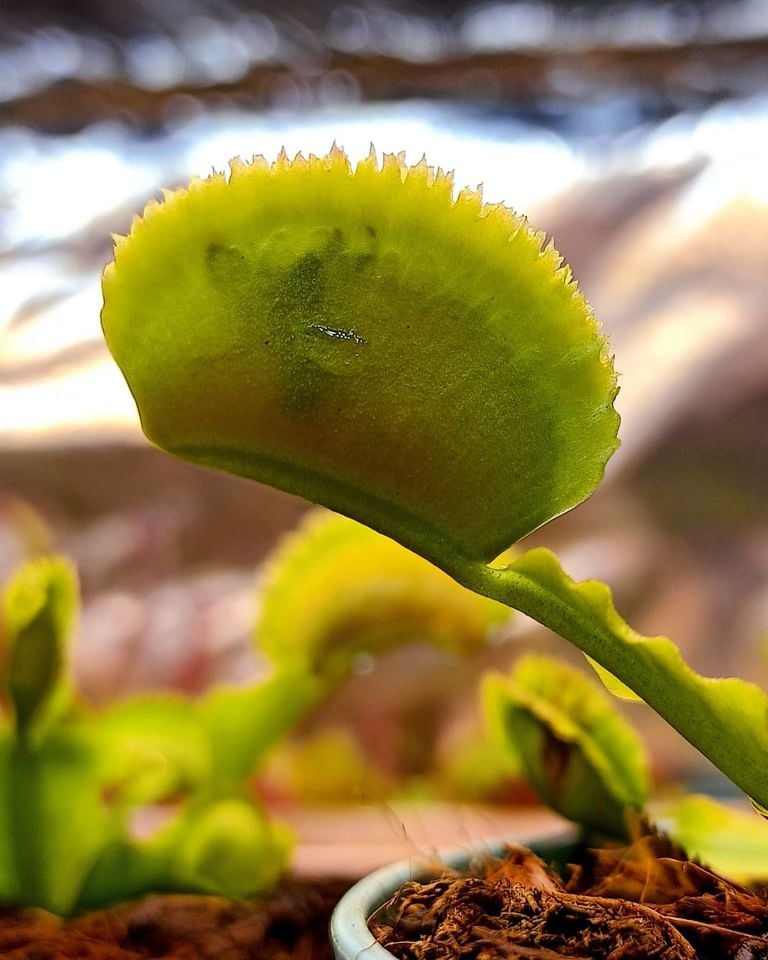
x=733, y=842
x=423, y=364
x=244, y=723
x=725, y=718
x=336, y=588
x=579, y=754
x=38, y=612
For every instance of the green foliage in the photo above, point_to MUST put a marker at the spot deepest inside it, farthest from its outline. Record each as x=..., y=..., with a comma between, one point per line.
x=53, y=819
x=160, y=748
x=244, y=723
x=587, y=763
x=578, y=753
x=51, y=808
x=72, y=778
x=229, y=847
x=420, y=363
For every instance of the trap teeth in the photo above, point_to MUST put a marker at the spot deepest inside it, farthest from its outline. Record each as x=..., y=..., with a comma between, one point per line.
x=337, y=155
x=281, y=163
x=470, y=198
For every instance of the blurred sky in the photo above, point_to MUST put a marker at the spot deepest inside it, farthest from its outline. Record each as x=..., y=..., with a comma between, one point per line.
x=101, y=106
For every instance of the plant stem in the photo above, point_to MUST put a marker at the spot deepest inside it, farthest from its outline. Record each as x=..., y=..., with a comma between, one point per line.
x=725, y=719
x=28, y=825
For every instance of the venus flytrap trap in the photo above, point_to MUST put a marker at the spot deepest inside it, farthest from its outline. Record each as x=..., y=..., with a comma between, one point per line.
x=335, y=588
x=577, y=752
x=419, y=361
x=585, y=761
x=348, y=337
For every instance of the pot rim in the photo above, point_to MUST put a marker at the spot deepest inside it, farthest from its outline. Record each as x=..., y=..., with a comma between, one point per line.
x=350, y=937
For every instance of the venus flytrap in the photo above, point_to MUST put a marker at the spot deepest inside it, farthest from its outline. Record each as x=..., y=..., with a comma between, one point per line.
x=419, y=361
x=50, y=765
x=584, y=760
x=72, y=777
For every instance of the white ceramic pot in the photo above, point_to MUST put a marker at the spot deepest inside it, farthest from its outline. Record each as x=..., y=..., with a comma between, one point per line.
x=350, y=936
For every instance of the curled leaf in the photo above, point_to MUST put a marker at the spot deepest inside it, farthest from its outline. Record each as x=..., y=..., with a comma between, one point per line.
x=579, y=754
x=418, y=361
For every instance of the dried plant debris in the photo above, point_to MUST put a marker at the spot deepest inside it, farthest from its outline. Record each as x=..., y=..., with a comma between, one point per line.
x=645, y=901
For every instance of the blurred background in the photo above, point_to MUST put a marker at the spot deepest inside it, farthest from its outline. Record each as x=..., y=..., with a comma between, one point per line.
x=633, y=133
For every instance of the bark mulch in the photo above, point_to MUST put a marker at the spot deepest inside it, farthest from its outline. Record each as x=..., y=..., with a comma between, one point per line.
x=646, y=901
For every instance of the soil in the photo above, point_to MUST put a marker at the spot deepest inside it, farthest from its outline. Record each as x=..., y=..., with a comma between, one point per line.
x=292, y=924
x=645, y=901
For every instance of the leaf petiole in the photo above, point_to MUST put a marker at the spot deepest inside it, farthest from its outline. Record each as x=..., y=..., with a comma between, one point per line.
x=724, y=718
